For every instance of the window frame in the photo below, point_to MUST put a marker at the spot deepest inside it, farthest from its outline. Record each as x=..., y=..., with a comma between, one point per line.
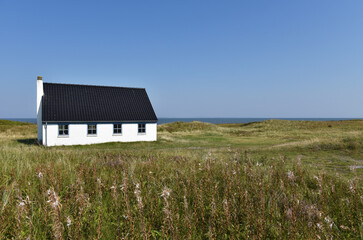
x=141, y=130
x=94, y=131
x=115, y=129
x=62, y=129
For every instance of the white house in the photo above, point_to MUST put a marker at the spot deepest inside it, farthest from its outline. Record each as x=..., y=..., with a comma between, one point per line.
x=69, y=114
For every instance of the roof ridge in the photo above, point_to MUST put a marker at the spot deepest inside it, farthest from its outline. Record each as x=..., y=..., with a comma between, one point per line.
x=88, y=85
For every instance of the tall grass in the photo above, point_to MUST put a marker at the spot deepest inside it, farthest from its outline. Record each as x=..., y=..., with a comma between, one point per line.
x=199, y=181
x=147, y=196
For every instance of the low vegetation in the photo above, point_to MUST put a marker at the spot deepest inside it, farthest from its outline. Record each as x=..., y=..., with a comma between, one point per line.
x=268, y=180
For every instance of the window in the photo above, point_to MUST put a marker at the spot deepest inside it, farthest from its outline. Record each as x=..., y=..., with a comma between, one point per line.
x=63, y=130
x=92, y=129
x=117, y=128
x=141, y=128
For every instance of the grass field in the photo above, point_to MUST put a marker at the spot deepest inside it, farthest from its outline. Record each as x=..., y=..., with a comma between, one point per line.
x=275, y=179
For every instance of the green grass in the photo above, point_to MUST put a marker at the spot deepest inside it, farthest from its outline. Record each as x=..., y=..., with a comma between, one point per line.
x=268, y=180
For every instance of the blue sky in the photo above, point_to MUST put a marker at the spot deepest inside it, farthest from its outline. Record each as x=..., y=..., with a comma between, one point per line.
x=195, y=58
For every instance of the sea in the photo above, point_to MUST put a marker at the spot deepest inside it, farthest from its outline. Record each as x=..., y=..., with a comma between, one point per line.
x=210, y=120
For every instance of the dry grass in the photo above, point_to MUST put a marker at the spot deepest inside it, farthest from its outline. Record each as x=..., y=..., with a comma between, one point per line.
x=272, y=180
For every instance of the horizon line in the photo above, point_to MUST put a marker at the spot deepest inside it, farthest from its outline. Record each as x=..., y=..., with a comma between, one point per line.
x=215, y=117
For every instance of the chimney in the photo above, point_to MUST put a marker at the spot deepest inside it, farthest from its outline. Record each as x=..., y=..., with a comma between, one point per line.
x=40, y=94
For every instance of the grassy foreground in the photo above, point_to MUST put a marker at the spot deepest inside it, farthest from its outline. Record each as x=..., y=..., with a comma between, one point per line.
x=269, y=180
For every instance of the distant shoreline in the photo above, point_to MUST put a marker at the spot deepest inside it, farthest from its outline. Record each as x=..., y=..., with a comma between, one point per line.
x=211, y=120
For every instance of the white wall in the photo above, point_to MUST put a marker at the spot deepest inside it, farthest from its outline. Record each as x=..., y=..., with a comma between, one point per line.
x=78, y=134
x=40, y=94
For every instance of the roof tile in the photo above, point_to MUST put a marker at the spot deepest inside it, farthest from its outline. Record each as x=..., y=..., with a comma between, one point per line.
x=82, y=103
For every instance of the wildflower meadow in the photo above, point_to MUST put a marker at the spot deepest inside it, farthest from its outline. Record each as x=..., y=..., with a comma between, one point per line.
x=167, y=190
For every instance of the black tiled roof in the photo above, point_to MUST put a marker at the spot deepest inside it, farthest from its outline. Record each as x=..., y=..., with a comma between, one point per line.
x=84, y=103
